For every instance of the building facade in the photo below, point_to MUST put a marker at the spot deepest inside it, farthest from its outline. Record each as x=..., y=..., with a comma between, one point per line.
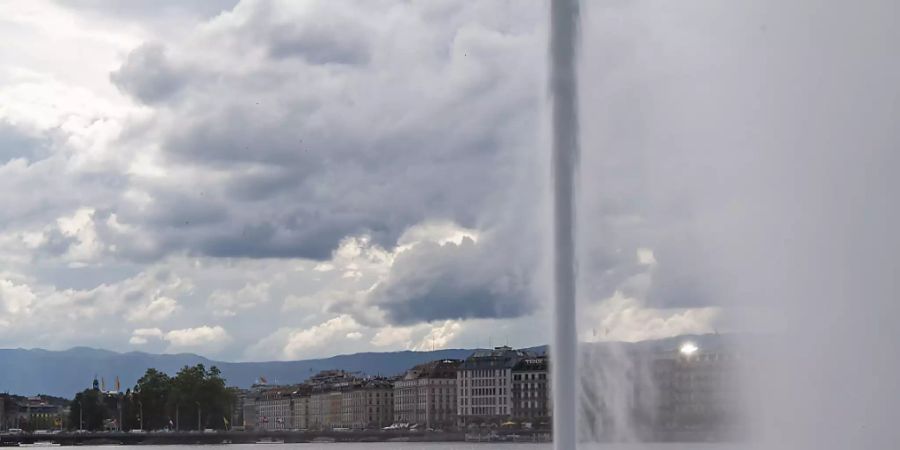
x=426, y=395
x=337, y=400
x=275, y=411
x=698, y=391
x=368, y=404
x=531, y=390
x=31, y=413
x=300, y=409
x=249, y=412
x=484, y=386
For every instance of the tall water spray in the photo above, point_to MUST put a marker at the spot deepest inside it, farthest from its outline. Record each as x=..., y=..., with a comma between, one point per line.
x=564, y=16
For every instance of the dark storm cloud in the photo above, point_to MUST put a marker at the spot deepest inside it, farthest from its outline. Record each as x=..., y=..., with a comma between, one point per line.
x=320, y=44
x=434, y=282
x=268, y=240
x=299, y=157
x=148, y=75
x=247, y=130
x=181, y=207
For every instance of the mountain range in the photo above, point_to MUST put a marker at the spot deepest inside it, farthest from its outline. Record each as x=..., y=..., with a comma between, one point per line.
x=63, y=373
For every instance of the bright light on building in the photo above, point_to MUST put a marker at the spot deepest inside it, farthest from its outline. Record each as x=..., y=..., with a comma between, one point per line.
x=688, y=348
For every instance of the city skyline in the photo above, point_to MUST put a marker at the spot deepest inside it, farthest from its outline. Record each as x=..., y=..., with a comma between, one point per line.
x=684, y=390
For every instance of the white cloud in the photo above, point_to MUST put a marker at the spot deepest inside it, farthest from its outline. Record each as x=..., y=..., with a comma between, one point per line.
x=141, y=336
x=229, y=303
x=15, y=300
x=156, y=310
x=391, y=336
x=418, y=337
x=440, y=335
x=438, y=232
x=198, y=338
x=620, y=318
x=334, y=335
x=319, y=336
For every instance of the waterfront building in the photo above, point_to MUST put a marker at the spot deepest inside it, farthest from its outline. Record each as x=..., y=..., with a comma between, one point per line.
x=484, y=386
x=250, y=412
x=275, y=409
x=426, y=395
x=698, y=390
x=300, y=407
x=368, y=404
x=531, y=390
x=236, y=421
x=31, y=413
x=325, y=408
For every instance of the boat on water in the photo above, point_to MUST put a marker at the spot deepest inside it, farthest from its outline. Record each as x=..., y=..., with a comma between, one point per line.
x=270, y=441
x=40, y=444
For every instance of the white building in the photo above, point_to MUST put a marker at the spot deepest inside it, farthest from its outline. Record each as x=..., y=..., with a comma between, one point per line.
x=426, y=395
x=484, y=386
x=274, y=409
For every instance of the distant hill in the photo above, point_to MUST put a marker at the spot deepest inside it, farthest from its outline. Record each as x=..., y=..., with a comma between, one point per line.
x=63, y=373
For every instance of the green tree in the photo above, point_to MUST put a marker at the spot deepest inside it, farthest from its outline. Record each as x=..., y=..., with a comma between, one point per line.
x=200, y=394
x=151, y=396
x=89, y=406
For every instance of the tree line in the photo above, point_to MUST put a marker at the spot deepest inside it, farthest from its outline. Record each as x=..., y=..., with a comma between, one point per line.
x=195, y=398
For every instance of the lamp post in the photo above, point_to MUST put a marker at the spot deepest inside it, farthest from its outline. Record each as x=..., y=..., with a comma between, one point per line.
x=199, y=428
x=141, y=412
x=80, y=415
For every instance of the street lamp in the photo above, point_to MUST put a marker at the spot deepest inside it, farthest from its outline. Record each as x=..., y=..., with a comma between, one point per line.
x=198, y=417
x=137, y=391
x=80, y=415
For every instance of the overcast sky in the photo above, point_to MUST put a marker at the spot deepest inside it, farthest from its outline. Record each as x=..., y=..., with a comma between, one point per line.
x=262, y=180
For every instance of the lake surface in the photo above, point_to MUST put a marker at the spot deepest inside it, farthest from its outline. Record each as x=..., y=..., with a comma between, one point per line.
x=438, y=446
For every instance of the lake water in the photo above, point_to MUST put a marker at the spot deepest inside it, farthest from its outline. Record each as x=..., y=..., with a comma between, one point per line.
x=439, y=446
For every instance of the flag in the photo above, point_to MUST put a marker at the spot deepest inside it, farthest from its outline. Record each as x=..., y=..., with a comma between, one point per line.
x=118, y=385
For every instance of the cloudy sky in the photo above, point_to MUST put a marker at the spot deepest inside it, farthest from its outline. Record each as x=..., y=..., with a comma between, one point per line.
x=255, y=180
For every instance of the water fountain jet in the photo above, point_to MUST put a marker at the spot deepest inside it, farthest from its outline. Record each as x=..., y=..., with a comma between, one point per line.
x=564, y=17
